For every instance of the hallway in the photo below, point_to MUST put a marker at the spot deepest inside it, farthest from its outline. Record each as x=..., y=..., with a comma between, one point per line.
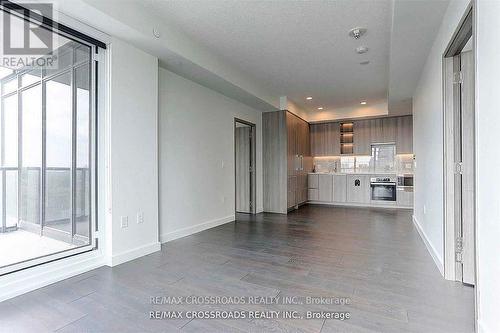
x=373, y=257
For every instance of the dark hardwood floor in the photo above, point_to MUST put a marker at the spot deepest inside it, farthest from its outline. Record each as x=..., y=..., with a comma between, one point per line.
x=373, y=258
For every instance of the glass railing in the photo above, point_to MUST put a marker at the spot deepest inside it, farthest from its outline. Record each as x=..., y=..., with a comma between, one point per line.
x=21, y=202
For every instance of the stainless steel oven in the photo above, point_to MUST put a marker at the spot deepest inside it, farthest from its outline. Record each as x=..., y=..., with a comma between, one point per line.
x=383, y=189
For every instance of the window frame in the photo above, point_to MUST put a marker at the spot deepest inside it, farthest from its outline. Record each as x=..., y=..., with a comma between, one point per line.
x=92, y=62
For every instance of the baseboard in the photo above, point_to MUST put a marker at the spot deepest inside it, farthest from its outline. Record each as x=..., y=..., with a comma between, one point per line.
x=434, y=254
x=132, y=254
x=179, y=233
x=18, y=283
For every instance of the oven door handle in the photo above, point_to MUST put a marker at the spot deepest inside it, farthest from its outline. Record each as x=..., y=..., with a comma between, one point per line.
x=384, y=184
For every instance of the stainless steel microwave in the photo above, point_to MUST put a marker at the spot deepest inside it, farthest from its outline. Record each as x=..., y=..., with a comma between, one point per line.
x=405, y=180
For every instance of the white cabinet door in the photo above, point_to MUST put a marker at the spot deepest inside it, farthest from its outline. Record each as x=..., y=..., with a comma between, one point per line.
x=404, y=198
x=325, y=186
x=313, y=194
x=339, y=188
x=312, y=181
x=358, y=189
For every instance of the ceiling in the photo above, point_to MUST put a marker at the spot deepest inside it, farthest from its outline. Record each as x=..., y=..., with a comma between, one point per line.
x=302, y=48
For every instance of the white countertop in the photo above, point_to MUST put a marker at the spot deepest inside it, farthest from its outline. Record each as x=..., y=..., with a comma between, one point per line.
x=353, y=173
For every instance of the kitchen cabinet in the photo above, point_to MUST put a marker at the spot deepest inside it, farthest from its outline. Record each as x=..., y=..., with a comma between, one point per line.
x=362, y=137
x=404, y=135
x=339, y=188
x=404, y=197
x=358, y=189
x=313, y=194
x=325, y=188
x=325, y=139
x=313, y=181
x=287, y=160
x=389, y=130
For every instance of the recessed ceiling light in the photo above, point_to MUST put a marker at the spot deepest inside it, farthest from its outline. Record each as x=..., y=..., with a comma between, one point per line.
x=363, y=103
x=320, y=108
x=309, y=98
x=361, y=49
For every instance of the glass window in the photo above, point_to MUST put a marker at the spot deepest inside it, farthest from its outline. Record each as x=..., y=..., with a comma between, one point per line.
x=31, y=155
x=383, y=156
x=58, y=153
x=45, y=154
x=82, y=184
x=10, y=139
x=9, y=86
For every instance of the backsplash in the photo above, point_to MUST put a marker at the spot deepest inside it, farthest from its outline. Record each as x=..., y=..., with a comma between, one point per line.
x=350, y=164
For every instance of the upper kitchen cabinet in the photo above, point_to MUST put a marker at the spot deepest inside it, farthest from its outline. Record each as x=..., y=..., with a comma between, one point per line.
x=325, y=139
x=362, y=137
x=383, y=130
x=404, y=135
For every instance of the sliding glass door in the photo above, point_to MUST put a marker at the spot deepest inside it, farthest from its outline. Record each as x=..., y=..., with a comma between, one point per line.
x=46, y=154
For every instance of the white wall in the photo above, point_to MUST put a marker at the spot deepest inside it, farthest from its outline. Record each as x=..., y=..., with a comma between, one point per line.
x=428, y=137
x=488, y=160
x=197, y=156
x=133, y=152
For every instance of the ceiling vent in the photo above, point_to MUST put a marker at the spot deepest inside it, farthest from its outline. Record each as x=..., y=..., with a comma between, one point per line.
x=357, y=33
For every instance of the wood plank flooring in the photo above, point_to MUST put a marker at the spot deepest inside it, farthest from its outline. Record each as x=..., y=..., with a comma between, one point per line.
x=373, y=257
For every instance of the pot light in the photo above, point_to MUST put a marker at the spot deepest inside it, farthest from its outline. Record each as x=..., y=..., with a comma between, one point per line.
x=309, y=98
x=363, y=103
x=320, y=108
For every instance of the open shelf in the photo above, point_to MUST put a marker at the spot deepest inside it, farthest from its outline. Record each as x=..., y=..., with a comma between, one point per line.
x=347, y=138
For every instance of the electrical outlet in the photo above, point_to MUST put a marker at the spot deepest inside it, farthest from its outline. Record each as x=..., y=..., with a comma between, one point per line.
x=124, y=221
x=140, y=218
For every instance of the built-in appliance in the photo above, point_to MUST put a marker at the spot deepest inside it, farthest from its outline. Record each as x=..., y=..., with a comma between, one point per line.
x=405, y=180
x=383, y=189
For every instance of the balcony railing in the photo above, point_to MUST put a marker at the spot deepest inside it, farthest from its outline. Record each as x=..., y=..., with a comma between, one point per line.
x=54, y=212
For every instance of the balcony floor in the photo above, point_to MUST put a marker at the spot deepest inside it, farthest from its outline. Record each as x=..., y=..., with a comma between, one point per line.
x=20, y=245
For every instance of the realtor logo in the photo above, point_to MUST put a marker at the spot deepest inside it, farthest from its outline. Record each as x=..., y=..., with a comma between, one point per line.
x=27, y=37
x=26, y=43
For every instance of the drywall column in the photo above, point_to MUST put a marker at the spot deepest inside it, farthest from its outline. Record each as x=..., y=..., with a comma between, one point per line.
x=488, y=159
x=133, y=167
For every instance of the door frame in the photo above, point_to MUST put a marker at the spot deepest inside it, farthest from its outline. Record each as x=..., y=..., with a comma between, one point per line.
x=253, y=160
x=449, y=63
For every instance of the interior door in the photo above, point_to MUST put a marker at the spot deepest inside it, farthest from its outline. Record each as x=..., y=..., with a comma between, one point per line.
x=463, y=128
x=467, y=169
x=243, y=155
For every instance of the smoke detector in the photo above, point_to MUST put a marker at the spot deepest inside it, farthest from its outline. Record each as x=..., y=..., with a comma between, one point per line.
x=357, y=32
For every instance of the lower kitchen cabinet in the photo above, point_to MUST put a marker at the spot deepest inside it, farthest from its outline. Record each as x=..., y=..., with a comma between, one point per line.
x=339, y=188
x=325, y=188
x=313, y=194
x=358, y=189
x=404, y=197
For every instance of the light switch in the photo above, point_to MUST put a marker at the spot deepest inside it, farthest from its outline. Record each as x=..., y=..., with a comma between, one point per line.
x=140, y=218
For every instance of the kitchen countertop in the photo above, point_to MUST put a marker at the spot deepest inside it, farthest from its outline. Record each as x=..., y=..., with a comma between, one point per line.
x=353, y=173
